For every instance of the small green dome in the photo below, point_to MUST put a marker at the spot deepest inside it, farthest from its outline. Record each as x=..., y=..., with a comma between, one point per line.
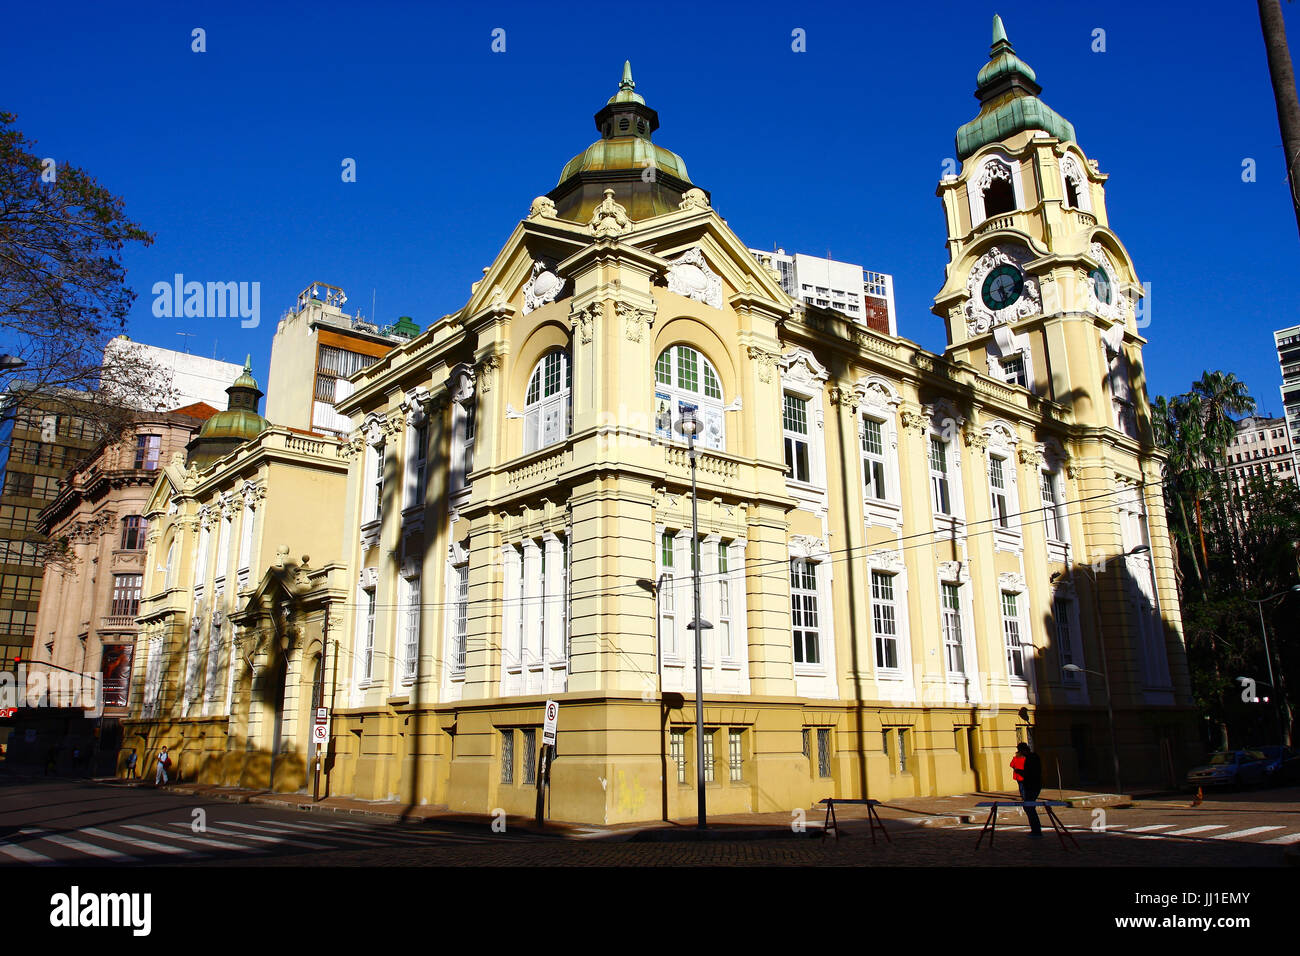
x=625, y=152
x=240, y=423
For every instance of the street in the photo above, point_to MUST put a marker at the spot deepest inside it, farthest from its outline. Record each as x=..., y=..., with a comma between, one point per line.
x=52, y=822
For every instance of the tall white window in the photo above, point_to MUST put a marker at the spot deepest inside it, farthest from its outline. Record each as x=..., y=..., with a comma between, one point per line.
x=468, y=433
x=368, y=635
x=153, y=677
x=548, y=401
x=419, y=464
x=223, y=548
x=376, y=481
x=1065, y=639
x=998, y=491
x=1011, y=633
x=794, y=423
x=410, y=627
x=884, y=620
x=873, y=458
x=803, y=611
x=724, y=603
x=939, y=485
x=952, y=636
x=245, y=544
x=677, y=752
x=686, y=381
x=667, y=595
x=460, y=616
x=214, y=656
x=1013, y=369
x=1049, y=483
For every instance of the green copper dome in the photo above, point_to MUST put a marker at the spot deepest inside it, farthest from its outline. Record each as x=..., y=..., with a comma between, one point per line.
x=1008, y=90
x=647, y=179
x=225, y=431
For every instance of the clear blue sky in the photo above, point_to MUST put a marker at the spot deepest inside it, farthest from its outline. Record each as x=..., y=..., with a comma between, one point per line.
x=233, y=157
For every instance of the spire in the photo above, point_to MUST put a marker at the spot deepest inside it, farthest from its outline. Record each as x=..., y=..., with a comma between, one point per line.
x=626, y=88
x=1008, y=89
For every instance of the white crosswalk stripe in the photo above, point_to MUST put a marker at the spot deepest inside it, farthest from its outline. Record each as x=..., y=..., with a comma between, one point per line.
x=363, y=837
x=24, y=855
x=201, y=841
x=1152, y=826
x=282, y=832
x=90, y=849
x=140, y=843
x=1244, y=833
x=217, y=831
x=1187, y=832
x=1286, y=840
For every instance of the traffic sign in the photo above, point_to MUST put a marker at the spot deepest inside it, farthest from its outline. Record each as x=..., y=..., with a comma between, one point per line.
x=320, y=728
x=552, y=719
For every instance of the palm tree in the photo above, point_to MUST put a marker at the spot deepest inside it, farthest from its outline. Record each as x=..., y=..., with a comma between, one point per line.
x=1223, y=396
x=1284, y=95
x=1168, y=419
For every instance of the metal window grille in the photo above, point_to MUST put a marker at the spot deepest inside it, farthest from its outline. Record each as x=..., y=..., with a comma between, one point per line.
x=462, y=613
x=735, y=754
x=823, y=751
x=368, y=650
x=803, y=612
x=530, y=755
x=883, y=621
x=677, y=751
x=902, y=750
x=952, y=629
x=508, y=755
x=708, y=754
x=807, y=749
x=412, y=656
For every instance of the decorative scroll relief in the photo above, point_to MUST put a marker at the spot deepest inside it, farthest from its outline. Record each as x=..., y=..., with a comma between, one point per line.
x=992, y=171
x=765, y=360
x=636, y=321
x=802, y=368
x=1010, y=581
x=462, y=384
x=1071, y=172
x=373, y=429
x=877, y=395
x=689, y=275
x=542, y=208
x=544, y=285
x=694, y=199
x=584, y=320
x=807, y=546
x=979, y=317
x=485, y=370
x=1000, y=436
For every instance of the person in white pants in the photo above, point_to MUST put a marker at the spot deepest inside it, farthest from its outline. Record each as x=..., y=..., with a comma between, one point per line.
x=161, y=774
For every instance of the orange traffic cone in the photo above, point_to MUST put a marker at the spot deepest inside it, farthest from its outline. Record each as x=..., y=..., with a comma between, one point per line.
x=1200, y=796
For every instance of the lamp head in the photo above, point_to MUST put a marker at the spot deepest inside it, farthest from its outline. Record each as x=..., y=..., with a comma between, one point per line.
x=688, y=424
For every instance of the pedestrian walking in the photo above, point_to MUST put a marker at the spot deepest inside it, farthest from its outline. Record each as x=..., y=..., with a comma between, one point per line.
x=164, y=762
x=130, y=764
x=1027, y=768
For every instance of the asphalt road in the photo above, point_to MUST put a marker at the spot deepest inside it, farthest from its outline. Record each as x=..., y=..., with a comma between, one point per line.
x=51, y=822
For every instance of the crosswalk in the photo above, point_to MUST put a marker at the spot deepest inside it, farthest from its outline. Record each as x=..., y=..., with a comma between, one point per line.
x=1158, y=831
x=176, y=842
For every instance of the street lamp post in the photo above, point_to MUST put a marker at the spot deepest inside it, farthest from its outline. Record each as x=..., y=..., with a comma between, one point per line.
x=1284, y=712
x=1105, y=665
x=690, y=426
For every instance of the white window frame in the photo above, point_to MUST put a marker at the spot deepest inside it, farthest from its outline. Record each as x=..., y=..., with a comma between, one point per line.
x=463, y=416
x=796, y=440
x=1001, y=443
x=366, y=656
x=879, y=603
x=816, y=680
x=409, y=667
x=458, y=618
x=878, y=401
x=802, y=376
x=246, y=530
x=975, y=188
x=1072, y=163
x=954, y=635
x=670, y=397
x=1014, y=625
x=1069, y=646
x=809, y=597
x=558, y=403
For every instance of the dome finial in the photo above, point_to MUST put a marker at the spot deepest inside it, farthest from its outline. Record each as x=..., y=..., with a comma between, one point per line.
x=627, y=83
x=999, y=31
x=248, y=362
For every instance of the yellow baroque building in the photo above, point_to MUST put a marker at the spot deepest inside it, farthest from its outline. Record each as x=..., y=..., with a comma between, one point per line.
x=908, y=562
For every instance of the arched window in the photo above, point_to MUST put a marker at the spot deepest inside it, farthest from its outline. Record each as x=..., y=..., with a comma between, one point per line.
x=686, y=381
x=999, y=197
x=548, y=402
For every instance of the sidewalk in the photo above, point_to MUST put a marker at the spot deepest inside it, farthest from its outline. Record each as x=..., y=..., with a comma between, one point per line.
x=899, y=814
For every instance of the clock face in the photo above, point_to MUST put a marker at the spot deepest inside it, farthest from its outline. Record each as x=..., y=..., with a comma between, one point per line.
x=1100, y=286
x=1003, y=287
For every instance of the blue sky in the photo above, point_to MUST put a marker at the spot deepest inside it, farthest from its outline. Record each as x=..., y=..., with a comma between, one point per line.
x=233, y=157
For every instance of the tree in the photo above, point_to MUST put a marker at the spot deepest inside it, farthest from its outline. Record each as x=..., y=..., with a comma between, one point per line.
x=63, y=293
x=1284, y=93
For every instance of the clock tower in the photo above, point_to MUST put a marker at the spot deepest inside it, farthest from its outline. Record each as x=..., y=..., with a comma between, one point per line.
x=1039, y=291
x=1041, y=296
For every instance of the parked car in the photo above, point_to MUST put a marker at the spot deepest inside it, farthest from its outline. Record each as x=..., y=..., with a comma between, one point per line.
x=1231, y=768
x=1283, y=764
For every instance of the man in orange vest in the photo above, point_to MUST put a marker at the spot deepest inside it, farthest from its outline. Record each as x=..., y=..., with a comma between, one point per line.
x=1028, y=771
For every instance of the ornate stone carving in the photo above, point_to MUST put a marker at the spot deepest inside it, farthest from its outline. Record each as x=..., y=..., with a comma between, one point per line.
x=1071, y=172
x=689, y=275
x=846, y=396
x=806, y=546
x=372, y=429
x=1117, y=309
x=542, y=208
x=636, y=321
x=694, y=199
x=765, y=360
x=1031, y=456
x=877, y=394
x=609, y=220
x=414, y=406
x=976, y=439
x=461, y=385
x=1011, y=581
x=954, y=572
x=914, y=419
x=801, y=367
x=1000, y=435
x=486, y=370
x=980, y=318
x=584, y=320
x=886, y=559
x=544, y=285
x=992, y=171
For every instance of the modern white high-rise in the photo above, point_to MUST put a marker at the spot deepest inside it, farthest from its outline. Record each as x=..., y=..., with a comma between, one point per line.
x=862, y=295
x=1260, y=448
x=193, y=377
x=1288, y=357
